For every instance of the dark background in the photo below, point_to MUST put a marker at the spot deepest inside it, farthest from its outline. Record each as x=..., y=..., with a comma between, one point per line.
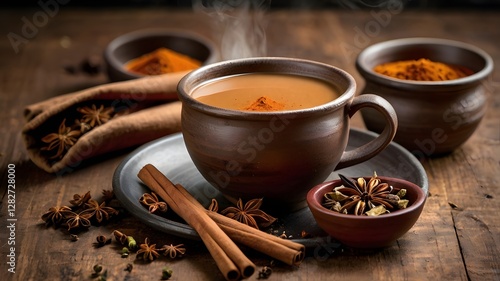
x=278, y=4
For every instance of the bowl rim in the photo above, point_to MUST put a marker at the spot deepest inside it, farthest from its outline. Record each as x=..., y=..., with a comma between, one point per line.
x=368, y=72
x=315, y=205
x=153, y=32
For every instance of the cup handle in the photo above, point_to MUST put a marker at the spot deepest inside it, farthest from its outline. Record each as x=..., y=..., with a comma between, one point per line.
x=378, y=144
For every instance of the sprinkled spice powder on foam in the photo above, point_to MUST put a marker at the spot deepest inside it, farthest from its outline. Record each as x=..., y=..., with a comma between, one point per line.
x=265, y=104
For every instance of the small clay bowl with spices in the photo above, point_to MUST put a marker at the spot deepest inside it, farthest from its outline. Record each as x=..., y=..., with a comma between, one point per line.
x=363, y=231
x=435, y=117
x=133, y=45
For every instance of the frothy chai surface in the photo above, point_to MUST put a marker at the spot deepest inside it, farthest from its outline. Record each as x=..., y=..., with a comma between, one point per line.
x=265, y=92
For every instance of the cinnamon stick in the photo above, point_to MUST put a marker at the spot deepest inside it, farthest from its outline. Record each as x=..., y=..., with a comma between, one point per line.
x=225, y=265
x=225, y=253
x=284, y=250
x=261, y=244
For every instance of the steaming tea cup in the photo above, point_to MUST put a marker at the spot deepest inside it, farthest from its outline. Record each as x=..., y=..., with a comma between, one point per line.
x=276, y=155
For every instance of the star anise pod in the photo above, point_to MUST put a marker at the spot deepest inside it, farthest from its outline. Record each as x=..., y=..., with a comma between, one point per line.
x=108, y=195
x=151, y=201
x=62, y=140
x=55, y=215
x=214, y=206
x=173, y=251
x=249, y=213
x=77, y=220
x=95, y=116
x=148, y=252
x=331, y=203
x=360, y=197
x=79, y=200
x=99, y=211
x=82, y=126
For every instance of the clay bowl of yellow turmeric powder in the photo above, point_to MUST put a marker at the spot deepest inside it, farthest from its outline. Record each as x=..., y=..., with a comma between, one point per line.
x=156, y=51
x=436, y=87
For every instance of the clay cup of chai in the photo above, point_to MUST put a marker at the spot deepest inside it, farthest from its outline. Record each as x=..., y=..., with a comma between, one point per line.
x=273, y=128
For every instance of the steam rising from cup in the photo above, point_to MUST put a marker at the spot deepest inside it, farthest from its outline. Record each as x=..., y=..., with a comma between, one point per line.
x=240, y=24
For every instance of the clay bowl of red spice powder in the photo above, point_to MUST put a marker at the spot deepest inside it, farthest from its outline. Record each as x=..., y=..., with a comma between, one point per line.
x=134, y=45
x=362, y=231
x=437, y=116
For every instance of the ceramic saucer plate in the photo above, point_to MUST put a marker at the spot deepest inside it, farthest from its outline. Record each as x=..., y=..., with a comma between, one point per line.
x=170, y=156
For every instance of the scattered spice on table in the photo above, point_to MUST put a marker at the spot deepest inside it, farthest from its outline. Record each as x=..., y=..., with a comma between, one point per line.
x=108, y=195
x=422, y=70
x=161, y=61
x=80, y=200
x=55, y=215
x=173, y=251
x=77, y=221
x=74, y=237
x=91, y=65
x=99, y=211
x=265, y=272
x=97, y=269
x=102, y=240
x=86, y=211
x=125, y=252
x=148, y=251
x=131, y=243
x=120, y=237
x=83, y=212
x=265, y=104
x=129, y=267
x=166, y=273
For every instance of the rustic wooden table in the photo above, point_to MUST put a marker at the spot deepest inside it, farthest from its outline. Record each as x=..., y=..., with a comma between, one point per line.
x=445, y=244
